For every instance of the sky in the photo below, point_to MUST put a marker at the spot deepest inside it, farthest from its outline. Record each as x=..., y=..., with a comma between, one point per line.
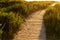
x=43, y=0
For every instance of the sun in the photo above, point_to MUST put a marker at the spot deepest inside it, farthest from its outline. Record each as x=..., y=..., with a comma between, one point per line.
x=57, y=0
x=43, y=0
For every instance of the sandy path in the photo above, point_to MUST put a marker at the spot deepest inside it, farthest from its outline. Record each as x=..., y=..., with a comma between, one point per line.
x=33, y=27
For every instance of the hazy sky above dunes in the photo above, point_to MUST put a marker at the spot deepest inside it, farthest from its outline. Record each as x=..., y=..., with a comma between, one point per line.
x=42, y=0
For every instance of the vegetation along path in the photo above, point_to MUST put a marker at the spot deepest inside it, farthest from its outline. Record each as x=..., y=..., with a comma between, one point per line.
x=33, y=28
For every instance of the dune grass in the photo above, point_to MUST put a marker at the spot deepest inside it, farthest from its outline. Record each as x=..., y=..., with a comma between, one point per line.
x=14, y=13
x=52, y=22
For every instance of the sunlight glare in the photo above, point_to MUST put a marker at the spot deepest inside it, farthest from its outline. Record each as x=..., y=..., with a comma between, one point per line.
x=43, y=0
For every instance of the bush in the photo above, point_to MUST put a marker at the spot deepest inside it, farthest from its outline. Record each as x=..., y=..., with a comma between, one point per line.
x=34, y=6
x=52, y=23
x=13, y=13
x=13, y=23
x=23, y=8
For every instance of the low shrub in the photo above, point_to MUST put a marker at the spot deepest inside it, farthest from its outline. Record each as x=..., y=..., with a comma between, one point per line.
x=52, y=23
x=13, y=13
x=12, y=24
